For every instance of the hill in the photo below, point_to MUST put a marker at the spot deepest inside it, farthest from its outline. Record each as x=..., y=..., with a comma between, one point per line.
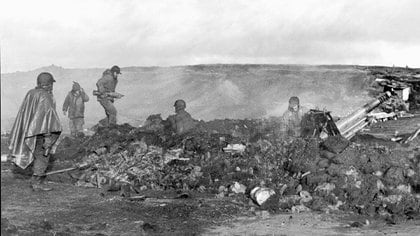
x=211, y=91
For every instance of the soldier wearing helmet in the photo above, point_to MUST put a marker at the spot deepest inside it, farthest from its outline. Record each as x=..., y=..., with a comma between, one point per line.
x=36, y=129
x=74, y=108
x=182, y=121
x=106, y=84
x=292, y=118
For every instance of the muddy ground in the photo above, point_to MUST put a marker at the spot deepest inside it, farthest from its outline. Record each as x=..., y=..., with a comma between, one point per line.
x=71, y=210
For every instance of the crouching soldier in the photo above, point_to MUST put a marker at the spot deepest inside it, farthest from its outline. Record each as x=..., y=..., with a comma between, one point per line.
x=36, y=129
x=292, y=118
x=182, y=121
x=74, y=104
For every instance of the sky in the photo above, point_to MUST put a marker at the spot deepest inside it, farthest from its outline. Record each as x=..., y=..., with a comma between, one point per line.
x=101, y=33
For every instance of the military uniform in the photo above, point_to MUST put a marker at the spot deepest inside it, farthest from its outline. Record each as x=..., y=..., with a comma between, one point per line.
x=291, y=122
x=36, y=129
x=107, y=84
x=182, y=122
x=74, y=104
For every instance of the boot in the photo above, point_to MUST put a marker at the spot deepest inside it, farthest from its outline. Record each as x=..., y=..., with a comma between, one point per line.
x=37, y=184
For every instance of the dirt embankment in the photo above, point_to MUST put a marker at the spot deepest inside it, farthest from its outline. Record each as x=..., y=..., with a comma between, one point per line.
x=185, y=184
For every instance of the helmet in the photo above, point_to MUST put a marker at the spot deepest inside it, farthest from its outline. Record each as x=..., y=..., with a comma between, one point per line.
x=76, y=86
x=180, y=104
x=294, y=100
x=45, y=78
x=116, y=69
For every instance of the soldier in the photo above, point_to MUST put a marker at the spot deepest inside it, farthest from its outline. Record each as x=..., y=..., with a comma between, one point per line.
x=105, y=85
x=292, y=118
x=74, y=104
x=182, y=121
x=36, y=129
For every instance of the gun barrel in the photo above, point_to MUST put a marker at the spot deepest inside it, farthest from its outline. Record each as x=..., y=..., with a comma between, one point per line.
x=352, y=121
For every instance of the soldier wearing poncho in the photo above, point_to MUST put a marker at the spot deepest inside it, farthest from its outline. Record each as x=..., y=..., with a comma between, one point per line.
x=36, y=129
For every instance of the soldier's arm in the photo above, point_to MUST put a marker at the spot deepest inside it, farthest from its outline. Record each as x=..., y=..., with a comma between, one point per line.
x=66, y=103
x=101, y=85
x=85, y=97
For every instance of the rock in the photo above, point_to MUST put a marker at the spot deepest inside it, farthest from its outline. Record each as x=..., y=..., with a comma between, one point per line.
x=325, y=187
x=260, y=194
x=300, y=208
x=394, y=176
x=327, y=154
x=356, y=224
x=147, y=227
x=238, y=188
x=335, y=144
x=305, y=197
x=405, y=189
x=323, y=163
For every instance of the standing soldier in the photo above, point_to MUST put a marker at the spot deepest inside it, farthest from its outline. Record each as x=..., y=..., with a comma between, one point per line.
x=74, y=104
x=292, y=118
x=106, y=85
x=36, y=129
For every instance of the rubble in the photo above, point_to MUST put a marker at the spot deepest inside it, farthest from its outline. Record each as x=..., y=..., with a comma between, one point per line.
x=280, y=175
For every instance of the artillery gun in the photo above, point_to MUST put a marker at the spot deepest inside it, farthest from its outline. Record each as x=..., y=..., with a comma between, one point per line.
x=321, y=124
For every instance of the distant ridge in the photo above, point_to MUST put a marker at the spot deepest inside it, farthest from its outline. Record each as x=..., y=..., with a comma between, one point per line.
x=211, y=91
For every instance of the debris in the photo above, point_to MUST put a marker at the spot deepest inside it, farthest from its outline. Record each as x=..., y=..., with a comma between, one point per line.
x=359, y=177
x=234, y=148
x=7, y=158
x=325, y=187
x=183, y=196
x=260, y=194
x=305, y=196
x=300, y=208
x=238, y=188
x=413, y=136
x=137, y=198
x=335, y=144
x=356, y=224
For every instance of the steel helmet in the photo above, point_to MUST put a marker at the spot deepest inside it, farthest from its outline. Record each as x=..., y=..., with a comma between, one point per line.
x=116, y=69
x=45, y=78
x=294, y=100
x=180, y=104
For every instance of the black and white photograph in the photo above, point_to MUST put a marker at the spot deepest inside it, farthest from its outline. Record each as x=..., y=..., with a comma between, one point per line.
x=222, y=117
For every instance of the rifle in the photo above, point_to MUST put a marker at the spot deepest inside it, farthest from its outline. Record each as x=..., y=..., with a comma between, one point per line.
x=114, y=95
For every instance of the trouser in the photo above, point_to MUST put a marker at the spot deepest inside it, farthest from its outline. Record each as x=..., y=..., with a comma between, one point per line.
x=110, y=111
x=76, y=125
x=40, y=160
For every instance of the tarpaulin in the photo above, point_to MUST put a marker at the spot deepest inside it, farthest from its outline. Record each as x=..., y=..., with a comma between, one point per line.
x=36, y=116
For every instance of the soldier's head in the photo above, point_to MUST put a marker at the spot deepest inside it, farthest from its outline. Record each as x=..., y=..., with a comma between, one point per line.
x=45, y=80
x=115, y=70
x=75, y=87
x=294, y=103
x=180, y=105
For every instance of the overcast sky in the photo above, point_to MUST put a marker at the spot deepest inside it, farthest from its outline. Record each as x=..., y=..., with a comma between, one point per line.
x=100, y=33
